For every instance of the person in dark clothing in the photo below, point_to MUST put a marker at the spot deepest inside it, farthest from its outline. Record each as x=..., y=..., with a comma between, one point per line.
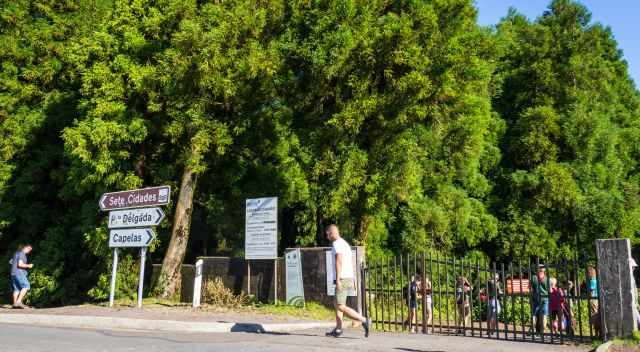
x=413, y=295
x=493, y=307
x=540, y=299
x=463, y=305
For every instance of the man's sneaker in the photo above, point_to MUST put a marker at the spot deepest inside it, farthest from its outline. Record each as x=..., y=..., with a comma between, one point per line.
x=334, y=333
x=19, y=306
x=367, y=326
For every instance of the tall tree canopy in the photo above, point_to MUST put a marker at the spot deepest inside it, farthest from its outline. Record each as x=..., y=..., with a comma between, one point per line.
x=406, y=123
x=569, y=172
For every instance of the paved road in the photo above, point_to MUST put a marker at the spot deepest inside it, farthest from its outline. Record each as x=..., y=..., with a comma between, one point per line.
x=37, y=339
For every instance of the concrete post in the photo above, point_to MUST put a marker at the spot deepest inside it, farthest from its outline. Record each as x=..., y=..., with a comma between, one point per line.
x=616, y=288
x=197, y=284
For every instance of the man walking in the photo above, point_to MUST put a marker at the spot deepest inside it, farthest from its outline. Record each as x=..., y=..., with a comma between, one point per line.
x=19, y=281
x=344, y=276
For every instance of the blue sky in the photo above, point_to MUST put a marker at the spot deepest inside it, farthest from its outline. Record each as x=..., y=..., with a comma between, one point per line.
x=623, y=16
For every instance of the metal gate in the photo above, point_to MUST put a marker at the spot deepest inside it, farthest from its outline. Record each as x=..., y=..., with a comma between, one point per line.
x=474, y=298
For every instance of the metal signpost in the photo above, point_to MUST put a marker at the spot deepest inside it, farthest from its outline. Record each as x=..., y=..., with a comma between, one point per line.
x=132, y=212
x=261, y=235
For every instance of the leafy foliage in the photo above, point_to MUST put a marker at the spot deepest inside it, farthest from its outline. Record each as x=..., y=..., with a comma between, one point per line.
x=406, y=123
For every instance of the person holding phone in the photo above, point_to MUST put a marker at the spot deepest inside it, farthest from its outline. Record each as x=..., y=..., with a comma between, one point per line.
x=19, y=279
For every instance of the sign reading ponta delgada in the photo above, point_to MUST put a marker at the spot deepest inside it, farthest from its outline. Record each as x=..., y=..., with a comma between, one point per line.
x=293, y=278
x=135, y=217
x=131, y=237
x=261, y=228
x=136, y=198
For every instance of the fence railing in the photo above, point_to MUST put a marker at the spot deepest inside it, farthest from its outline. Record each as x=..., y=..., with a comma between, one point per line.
x=510, y=301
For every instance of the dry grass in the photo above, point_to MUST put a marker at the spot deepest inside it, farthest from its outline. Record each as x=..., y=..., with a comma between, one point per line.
x=215, y=293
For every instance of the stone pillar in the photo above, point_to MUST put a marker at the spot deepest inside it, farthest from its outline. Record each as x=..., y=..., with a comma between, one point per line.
x=616, y=288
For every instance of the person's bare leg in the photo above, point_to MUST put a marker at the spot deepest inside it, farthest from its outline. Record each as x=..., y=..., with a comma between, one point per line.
x=338, y=318
x=350, y=312
x=409, y=318
x=15, y=297
x=21, y=295
x=414, y=317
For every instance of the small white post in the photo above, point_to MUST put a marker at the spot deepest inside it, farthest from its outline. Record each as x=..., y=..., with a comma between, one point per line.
x=143, y=257
x=275, y=281
x=248, y=277
x=197, y=284
x=114, y=273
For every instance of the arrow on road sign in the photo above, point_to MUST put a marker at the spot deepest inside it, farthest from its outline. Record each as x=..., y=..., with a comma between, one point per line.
x=131, y=237
x=139, y=217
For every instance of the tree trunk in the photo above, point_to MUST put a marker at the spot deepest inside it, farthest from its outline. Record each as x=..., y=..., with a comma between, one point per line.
x=169, y=281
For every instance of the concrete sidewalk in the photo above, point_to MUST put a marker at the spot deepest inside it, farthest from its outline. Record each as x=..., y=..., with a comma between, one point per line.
x=115, y=323
x=181, y=319
x=41, y=339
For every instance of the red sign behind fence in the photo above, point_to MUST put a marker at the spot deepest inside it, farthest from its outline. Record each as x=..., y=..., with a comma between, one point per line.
x=517, y=286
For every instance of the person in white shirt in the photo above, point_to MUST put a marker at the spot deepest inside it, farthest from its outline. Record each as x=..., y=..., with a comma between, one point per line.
x=344, y=281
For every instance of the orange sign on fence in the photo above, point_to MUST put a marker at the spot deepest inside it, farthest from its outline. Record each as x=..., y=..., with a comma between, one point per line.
x=517, y=286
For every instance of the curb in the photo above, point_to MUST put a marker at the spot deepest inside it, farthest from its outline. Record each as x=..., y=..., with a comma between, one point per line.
x=604, y=347
x=111, y=323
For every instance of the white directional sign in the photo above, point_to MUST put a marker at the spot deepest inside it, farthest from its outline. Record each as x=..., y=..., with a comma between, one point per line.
x=261, y=228
x=135, y=217
x=131, y=237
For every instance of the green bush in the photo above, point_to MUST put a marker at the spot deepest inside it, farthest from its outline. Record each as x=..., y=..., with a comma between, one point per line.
x=126, y=285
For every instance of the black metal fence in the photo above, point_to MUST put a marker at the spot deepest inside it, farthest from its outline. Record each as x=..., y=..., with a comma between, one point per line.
x=474, y=298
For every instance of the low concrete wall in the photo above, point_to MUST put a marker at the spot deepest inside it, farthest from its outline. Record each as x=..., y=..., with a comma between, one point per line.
x=233, y=272
x=188, y=275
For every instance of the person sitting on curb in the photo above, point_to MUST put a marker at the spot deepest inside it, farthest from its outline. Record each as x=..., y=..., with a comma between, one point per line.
x=19, y=280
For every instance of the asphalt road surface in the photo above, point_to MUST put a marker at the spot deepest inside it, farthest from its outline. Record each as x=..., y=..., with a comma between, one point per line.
x=32, y=339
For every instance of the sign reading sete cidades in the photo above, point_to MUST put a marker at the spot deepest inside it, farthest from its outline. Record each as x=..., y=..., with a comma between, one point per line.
x=136, y=198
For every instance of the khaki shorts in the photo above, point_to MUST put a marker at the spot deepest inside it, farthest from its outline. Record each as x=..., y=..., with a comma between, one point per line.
x=341, y=295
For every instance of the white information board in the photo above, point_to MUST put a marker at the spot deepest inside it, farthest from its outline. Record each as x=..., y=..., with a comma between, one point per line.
x=293, y=279
x=261, y=228
x=331, y=273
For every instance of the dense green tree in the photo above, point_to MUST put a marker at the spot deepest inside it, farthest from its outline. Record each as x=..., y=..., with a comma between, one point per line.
x=393, y=103
x=569, y=173
x=39, y=89
x=406, y=123
x=165, y=93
